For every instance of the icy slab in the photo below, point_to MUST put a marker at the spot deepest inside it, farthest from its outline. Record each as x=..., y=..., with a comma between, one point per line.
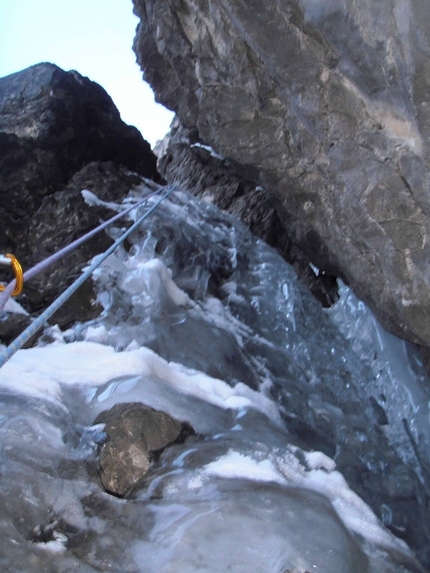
x=266, y=494
x=401, y=387
x=353, y=512
x=234, y=536
x=208, y=324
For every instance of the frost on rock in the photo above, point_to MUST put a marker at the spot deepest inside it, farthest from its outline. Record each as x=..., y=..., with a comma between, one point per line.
x=292, y=466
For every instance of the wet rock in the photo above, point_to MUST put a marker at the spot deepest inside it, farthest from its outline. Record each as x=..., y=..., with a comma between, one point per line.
x=328, y=103
x=52, y=124
x=135, y=432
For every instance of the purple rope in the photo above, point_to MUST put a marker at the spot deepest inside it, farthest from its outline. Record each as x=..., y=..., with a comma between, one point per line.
x=42, y=265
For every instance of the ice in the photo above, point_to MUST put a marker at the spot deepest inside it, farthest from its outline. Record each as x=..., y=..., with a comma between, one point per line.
x=205, y=322
x=220, y=548
x=401, y=383
x=280, y=530
x=237, y=465
x=150, y=277
x=92, y=200
x=354, y=513
x=13, y=306
x=43, y=372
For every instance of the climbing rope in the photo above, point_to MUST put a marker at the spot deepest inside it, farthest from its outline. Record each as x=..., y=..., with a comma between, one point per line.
x=41, y=319
x=18, y=283
x=12, y=288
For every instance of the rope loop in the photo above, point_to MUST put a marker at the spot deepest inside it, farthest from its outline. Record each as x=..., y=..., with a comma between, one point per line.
x=19, y=276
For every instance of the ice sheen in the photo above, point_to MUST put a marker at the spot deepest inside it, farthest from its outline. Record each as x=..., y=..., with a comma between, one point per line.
x=205, y=322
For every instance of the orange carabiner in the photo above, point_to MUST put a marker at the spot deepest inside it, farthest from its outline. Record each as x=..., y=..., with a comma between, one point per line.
x=19, y=276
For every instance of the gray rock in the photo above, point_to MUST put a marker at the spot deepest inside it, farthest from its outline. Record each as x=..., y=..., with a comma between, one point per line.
x=61, y=133
x=135, y=432
x=196, y=168
x=62, y=218
x=328, y=103
x=11, y=325
x=52, y=124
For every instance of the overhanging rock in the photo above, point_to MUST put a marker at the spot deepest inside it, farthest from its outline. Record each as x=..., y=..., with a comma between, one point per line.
x=327, y=102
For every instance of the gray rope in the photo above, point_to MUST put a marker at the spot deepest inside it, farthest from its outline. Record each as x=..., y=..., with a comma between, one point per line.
x=41, y=320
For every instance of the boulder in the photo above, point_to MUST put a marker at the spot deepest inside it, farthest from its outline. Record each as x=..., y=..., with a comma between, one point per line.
x=135, y=433
x=326, y=105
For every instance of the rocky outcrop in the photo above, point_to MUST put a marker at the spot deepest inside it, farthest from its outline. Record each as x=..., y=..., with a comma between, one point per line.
x=61, y=133
x=52, y=124
x=326, y=105
x=135, y=433
x=62, y=218
x=183, y=161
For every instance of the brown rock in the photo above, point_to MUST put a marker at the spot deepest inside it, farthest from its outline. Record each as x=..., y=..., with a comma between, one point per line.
x=135, y=432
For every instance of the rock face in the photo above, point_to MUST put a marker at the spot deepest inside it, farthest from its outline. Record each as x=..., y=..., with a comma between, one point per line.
x=61, y=133
x=52, y=124
x=62, y=218
x=110, y=182
x=327, y=103
x=135, y=432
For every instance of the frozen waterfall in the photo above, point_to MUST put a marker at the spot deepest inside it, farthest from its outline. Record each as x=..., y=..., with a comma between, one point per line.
x=312, y=427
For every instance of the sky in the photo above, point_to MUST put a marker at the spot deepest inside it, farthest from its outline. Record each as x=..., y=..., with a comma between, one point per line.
x=95, y=38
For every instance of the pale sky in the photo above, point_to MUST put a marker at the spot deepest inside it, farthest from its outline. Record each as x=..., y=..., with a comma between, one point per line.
x=95, y=38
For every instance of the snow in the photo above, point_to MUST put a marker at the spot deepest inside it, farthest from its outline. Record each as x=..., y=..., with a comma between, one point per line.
x=209, y=150
x=92, y=200
x=41, y=373
x=231, y=360
x=237, y=465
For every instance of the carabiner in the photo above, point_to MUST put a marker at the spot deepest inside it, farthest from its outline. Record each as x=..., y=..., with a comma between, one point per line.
x=17, y=269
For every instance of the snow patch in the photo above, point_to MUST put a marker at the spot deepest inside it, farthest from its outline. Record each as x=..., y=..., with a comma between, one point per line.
x=321, y=478
x=40, y=372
